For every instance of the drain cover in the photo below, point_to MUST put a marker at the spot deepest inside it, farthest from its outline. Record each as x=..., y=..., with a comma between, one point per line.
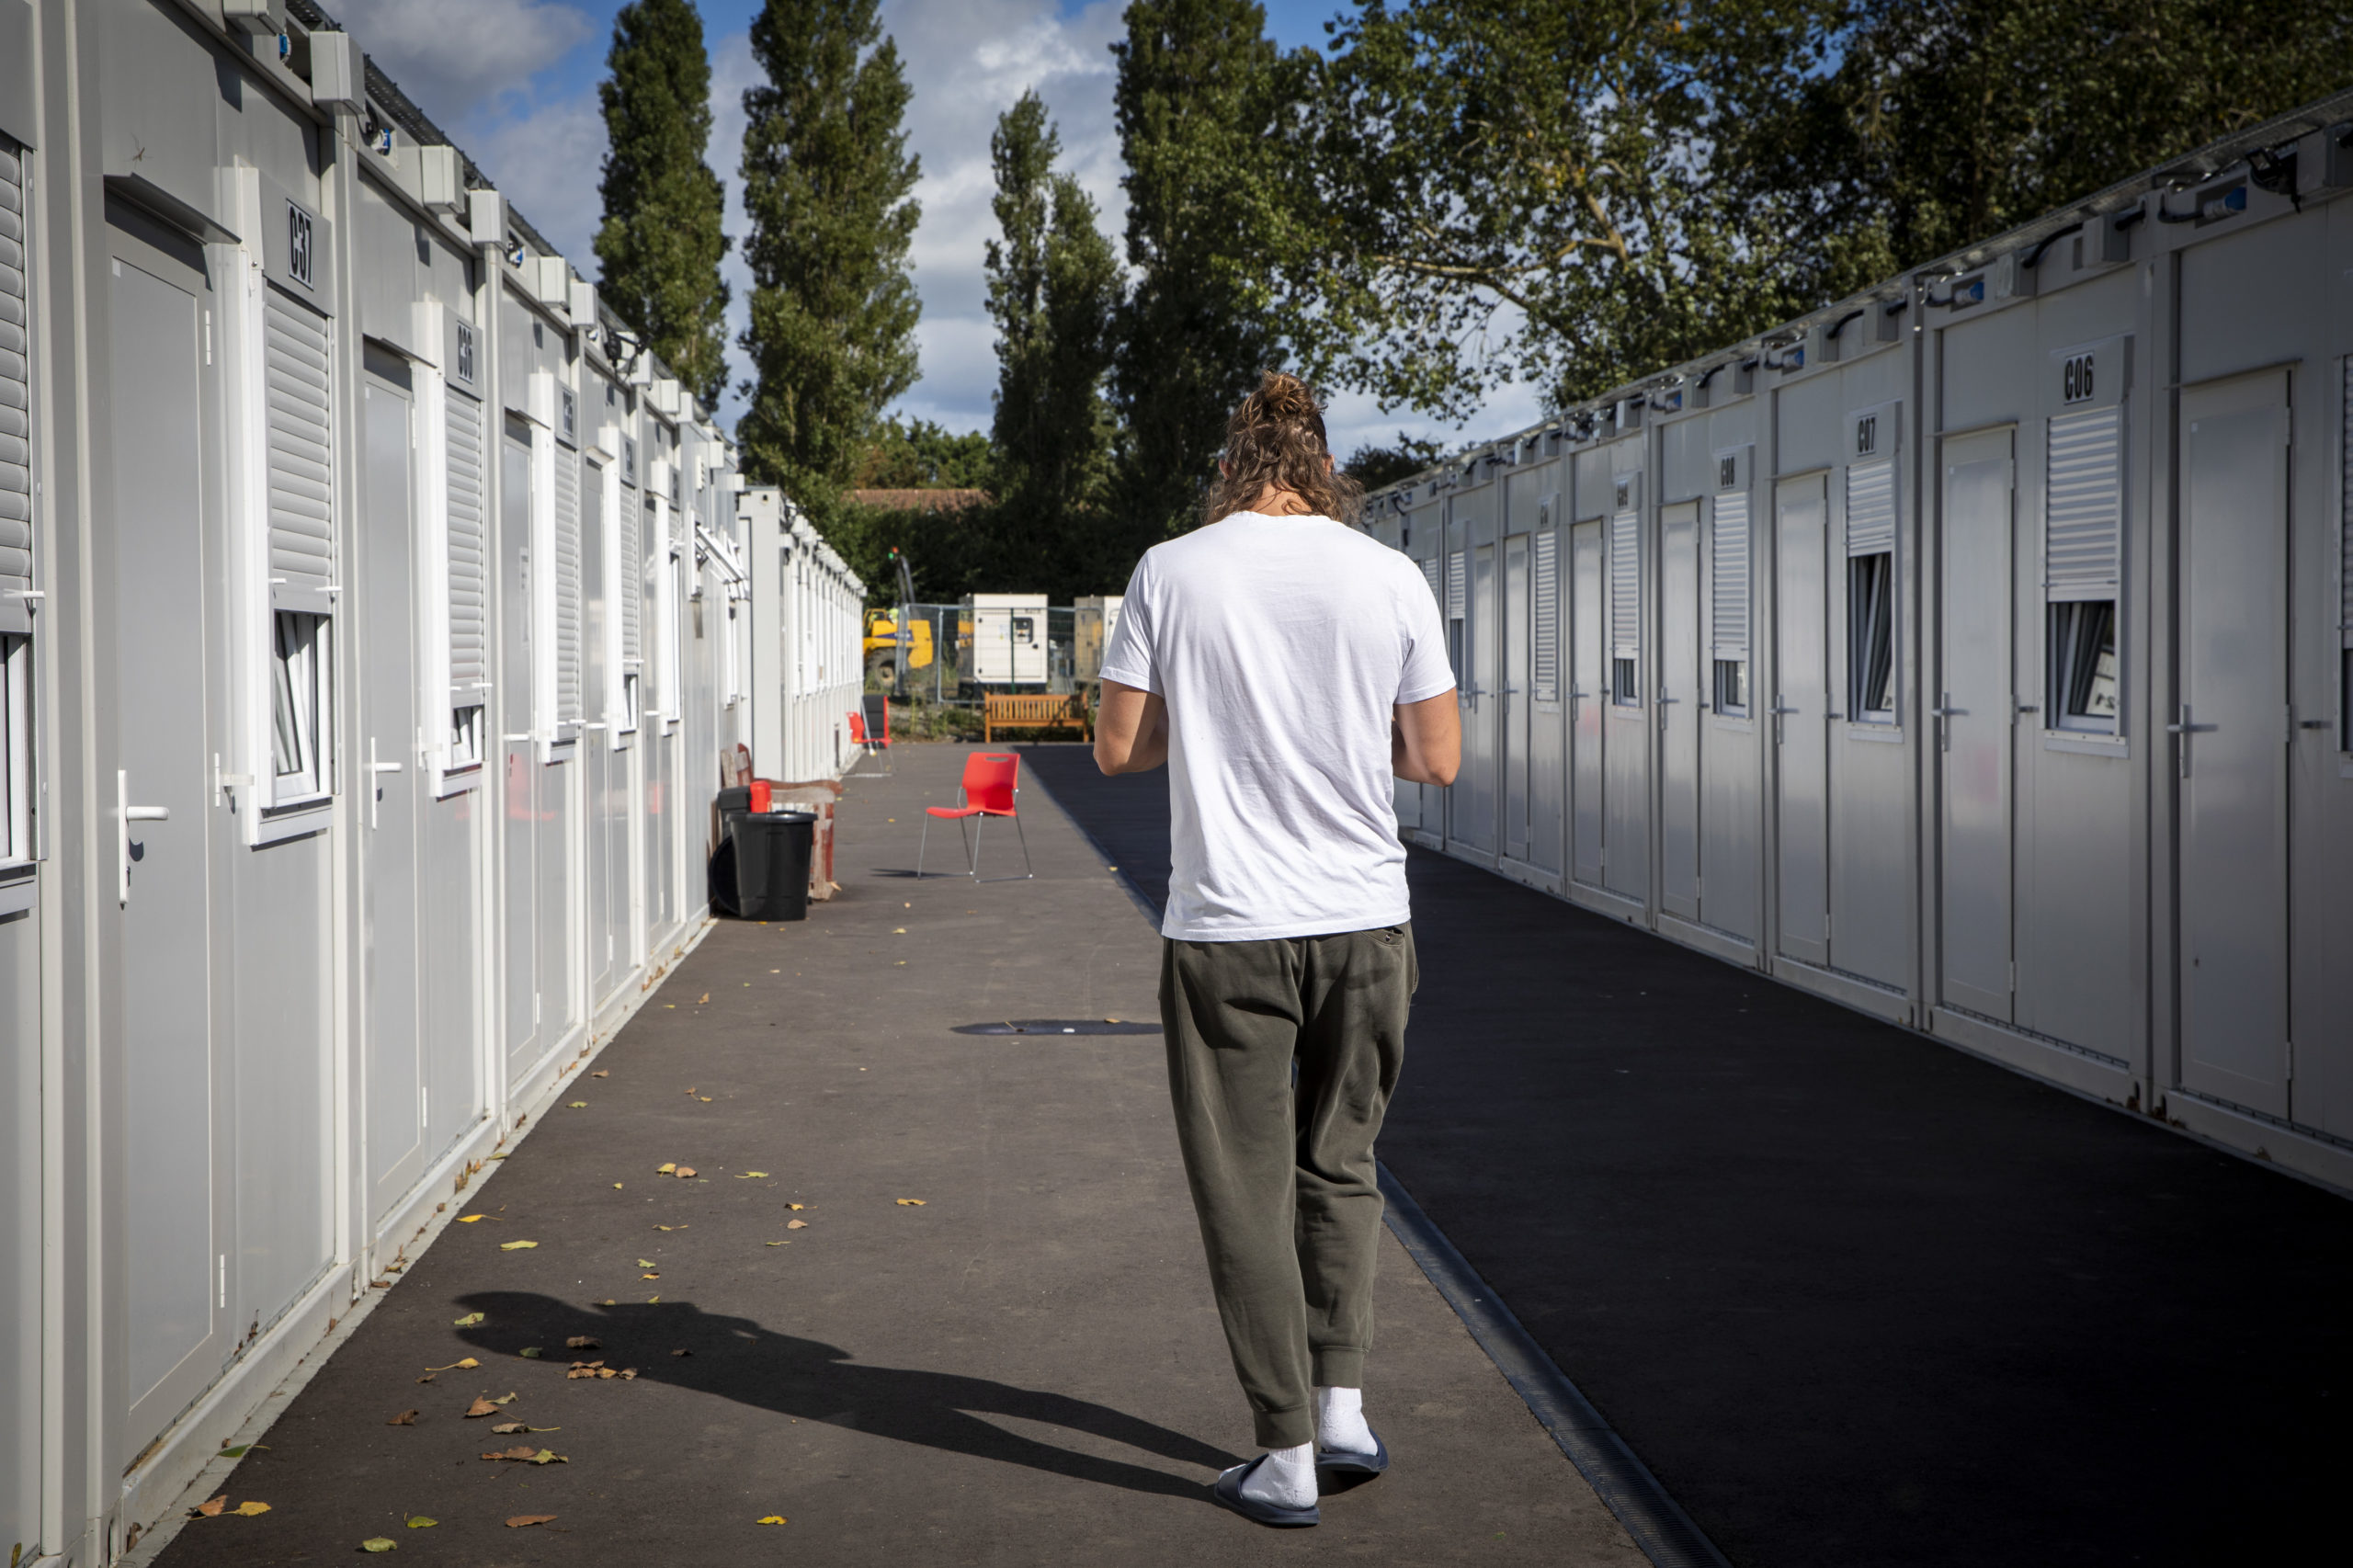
x=1058, y=1025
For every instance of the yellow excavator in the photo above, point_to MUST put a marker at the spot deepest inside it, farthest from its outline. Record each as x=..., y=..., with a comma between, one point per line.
x=882, y=634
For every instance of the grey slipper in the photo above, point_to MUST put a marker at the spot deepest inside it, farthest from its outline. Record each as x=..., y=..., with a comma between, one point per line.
x=1348, y=1464
x=1226, y=1493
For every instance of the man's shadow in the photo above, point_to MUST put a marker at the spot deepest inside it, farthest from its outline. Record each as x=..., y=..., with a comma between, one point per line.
x=736, y=1359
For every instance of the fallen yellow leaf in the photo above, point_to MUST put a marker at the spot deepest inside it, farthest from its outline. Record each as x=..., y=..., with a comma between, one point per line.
x=898, y=930
x=468, y=1322
x=649, y=1274
x=250, y=1509
x=776, y=1243
x=617, y=1187
x=796, y=1224
x=910, y=1202
x=470, y=1219
x=775, y=1519
x=750, y=1176
x=665, y=1169
x=516, y=1246
x=701, y=999
x=645, y=1262
x=419, y=1522
x=529, y=1352
x=579, y=1105
x=379, y=1543
x=468, y=1361
x=508, y=1428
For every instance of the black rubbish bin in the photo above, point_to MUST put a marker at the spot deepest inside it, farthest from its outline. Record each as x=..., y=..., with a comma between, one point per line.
x=771, y=864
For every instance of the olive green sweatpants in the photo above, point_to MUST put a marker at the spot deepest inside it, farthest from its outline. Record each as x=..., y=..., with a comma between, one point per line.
x=1283, y=1176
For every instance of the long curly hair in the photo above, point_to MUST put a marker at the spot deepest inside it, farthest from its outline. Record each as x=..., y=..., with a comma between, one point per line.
x=1277, y=439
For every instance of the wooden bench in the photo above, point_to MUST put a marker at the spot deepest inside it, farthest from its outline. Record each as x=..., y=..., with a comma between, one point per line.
x=1034, y=711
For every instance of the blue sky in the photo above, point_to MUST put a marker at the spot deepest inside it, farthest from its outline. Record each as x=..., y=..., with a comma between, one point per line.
x=513, y=82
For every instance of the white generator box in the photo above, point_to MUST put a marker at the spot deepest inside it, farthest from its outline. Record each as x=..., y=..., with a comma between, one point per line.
x=1008, y=639
x=1096, y=620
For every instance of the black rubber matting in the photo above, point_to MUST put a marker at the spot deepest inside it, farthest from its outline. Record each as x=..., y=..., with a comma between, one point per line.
x=1855, y=1297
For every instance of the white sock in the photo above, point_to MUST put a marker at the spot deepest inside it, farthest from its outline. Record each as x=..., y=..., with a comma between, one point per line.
x=1339, y=1421
x=1286, y=1479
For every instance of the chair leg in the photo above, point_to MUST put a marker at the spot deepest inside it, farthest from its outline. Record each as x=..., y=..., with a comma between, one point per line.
x=920, y=843
x=975, y=868
x=1026, y=870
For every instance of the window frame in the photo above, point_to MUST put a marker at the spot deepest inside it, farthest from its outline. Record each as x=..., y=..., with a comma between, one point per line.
x=301, y=689
x=2062, y=629
x=19, y=846
x=1871, y=640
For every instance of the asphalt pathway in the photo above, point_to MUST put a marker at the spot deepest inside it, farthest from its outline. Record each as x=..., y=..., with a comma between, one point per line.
x=1855, y=1297
x=1019, y=1364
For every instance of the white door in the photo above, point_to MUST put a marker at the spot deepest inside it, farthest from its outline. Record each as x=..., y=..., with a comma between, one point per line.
x=1517, y=696
x=387, y=792
x=1588, y=699
x=2231, y=741
x=1474, y=794
x=1801, y=707
x=518, y=758
x=1975, y=721
x=1682, y=708
x=156, y=814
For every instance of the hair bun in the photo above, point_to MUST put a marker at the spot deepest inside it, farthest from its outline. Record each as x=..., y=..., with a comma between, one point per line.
x=1281, y=399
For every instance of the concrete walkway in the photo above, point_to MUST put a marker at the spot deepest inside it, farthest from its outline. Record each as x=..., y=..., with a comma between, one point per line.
x=1024, y=1369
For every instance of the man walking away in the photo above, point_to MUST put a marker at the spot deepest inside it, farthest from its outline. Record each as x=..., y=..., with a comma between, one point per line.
x=1285, y=666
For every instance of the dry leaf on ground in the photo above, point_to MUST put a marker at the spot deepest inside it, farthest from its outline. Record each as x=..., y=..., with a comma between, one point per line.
x=507, y=1398
x=519, y=1520
x=469, y=1320
x=419, y=1522
x=751, y=1176
x=250, y=1509
x=583, y=1342
x=665, y=1169
x=380, y=1543
x=776, y=1244
x=796, y=1224
x=462, y=1361
x=511, y=1428
x=681, y=1352
x=600, y=1073
x=470, y=1219
x=775, y=1519
x=641, y=1263
x=685, y=1171
x=481, y=1406
x=529, y=1352
x=649, y=1274
x=576, y=1105
x=240, y=1451
x=909, y=1202
x=406, y=1418
x=701, y=999
x=516, y=1246
x=796, y=1206
x=211, y=1510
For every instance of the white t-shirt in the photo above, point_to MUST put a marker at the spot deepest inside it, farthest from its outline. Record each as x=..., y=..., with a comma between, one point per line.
x=1281, y=645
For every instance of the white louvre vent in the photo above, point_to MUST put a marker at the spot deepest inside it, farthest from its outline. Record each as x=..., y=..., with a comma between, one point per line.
x=1728, y=619
x=1548, y=615
x=1870, y=508
x=630, y=589
x=16, y=402
x=1626, y=585
x=1429, y=573
x=568, y=662
x=1454, y=586
x=301, y=474
x=2084, y=502
x=468, y=554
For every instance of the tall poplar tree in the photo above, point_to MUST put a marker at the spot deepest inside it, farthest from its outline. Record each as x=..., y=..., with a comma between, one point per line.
x=826, y=183
x=1054, y=286
x=1203, y=102
x=660, y=243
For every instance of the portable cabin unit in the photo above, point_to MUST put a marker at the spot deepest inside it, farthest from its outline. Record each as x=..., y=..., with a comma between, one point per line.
x=365, y=675
x=1008, y=639
x=1095, y=621
x=1973, y=650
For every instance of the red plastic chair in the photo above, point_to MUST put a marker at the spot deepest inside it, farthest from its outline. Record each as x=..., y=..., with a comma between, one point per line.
x=991, y=783
x=871, y=744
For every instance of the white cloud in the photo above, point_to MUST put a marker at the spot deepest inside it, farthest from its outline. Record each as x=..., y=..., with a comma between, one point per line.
x=452, y=56
x=547, y=164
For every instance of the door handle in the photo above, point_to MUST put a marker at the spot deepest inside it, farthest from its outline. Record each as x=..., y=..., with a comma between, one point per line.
x=2186, y=729
x=376, y=768
x=125, y=813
